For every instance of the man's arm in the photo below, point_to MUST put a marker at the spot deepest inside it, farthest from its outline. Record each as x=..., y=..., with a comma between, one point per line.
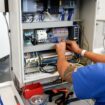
x=72, y=46
x=95, y=57
x=65, y=69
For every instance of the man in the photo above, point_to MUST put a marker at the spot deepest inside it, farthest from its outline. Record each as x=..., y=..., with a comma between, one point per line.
x=88, y=81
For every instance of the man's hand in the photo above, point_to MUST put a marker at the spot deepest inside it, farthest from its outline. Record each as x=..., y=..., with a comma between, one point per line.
x=62, y=64
x=73, y=46
x=60, y=48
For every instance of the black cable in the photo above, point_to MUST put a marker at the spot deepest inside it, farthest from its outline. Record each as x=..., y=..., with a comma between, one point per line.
x=45, y=64
x=6, y=6
x=42, y=69
x=9, y=37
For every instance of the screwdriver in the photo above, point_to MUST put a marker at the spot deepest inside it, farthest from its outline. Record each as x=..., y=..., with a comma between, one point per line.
x=17, y=101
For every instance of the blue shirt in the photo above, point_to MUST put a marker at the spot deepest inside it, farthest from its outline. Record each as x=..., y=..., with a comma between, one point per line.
x=89, y=82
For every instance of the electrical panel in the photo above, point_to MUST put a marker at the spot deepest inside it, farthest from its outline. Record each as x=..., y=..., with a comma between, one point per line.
x=38, y=11
x=49, y=10
x=37, y=25
x=52, y=35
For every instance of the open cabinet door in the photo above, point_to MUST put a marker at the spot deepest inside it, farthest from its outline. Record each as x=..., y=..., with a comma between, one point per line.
x=4, y=40
x=16, y=36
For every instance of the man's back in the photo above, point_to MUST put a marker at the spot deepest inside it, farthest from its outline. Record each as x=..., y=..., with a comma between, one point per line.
x=89, y=82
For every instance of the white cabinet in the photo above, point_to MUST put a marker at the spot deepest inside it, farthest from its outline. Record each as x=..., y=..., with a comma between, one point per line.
x=85, y=16
x=99, y=35
x=98, y=43
x=2, y=6
x=100, y=10
x=4, y=41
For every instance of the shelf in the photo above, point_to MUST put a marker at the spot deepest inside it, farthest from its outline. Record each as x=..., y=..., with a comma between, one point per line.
x=53, y=24
x=39, y=76
x=39, y=47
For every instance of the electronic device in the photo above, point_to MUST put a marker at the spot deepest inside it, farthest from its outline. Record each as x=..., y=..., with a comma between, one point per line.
x=54, y=7
x=31, y=62
x=48, y=61
x=58, y=34
x=51, y=35
x=42, y=61
x=54, y=35
x=74, y=32
x=35, y=36
x=45, y=5
x=29, y=37
x=41, y=36
x=48, y=10
x=32, y=17
x=28, y=17
x=32, y=5
x=67, y=4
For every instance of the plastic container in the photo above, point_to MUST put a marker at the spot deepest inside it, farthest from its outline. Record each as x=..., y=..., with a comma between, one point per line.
x=32, y=89
x=39, y=100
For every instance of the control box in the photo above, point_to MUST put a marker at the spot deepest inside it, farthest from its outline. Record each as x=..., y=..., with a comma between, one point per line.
x=37, y=26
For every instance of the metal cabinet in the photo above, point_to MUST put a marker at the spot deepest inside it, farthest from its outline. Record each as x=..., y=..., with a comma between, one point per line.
x=85, y=16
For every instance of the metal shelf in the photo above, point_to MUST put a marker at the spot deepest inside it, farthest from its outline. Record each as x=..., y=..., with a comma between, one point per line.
x=39, y=76
x=53, y=24
x=39, y=47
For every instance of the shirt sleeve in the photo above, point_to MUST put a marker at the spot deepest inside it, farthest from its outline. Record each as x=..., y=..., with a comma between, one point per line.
x=89, y=81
